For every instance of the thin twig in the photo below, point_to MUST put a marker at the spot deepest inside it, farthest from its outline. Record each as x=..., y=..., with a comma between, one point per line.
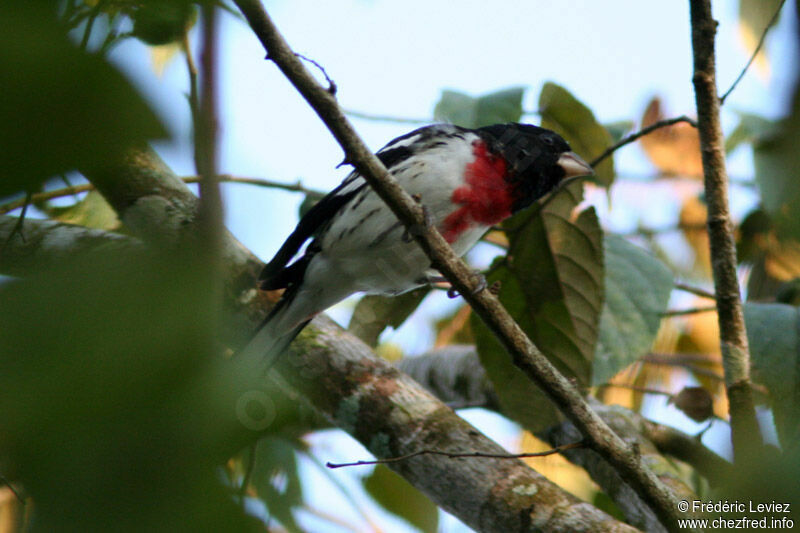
x=223, y=178
x=87, y=32
x=695, y=290
x=689, y=311
x=332, y=88
x=12, y=488
x=753, y=56
x=461, y=455
x=386, y=118
x=683, y=361
x=20, y=221
x=745, y=432
x=524, y=353
x=191, y=69
x=635, y=388
x=290, y=187
x=248, y=472
x=210, y=213
x=641, y=133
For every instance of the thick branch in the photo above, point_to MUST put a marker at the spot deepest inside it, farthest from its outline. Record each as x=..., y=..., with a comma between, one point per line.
x=735, y=351
x=454, y=374
x=392, y=415
x=627, y=425
x=157, y=206
x=525, y=355
x=47, y=243
x=339, y=377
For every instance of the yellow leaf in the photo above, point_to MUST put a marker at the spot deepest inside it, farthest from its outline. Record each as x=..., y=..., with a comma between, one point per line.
x=161, y=56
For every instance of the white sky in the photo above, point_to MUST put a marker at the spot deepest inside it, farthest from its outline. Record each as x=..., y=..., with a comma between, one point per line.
x=394, y=58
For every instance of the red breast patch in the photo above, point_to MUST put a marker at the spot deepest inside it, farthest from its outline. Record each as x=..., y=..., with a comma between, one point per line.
x=485, y=198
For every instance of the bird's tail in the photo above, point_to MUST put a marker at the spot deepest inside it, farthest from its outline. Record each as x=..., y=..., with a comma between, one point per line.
x=271, y=339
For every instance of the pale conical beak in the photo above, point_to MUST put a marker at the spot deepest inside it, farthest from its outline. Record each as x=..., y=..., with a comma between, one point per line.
x=574, y=166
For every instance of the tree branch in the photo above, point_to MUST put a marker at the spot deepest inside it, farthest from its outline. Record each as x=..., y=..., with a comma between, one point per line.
x=465, y=381
x=639, y=134
x=48, y=243
x=525, y=355
x=690, y=450
x=745, y=432
x=462, y=455
x=338, y=376
x=155, y=205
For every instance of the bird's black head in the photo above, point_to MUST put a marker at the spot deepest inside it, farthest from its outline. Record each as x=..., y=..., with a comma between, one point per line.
x=537, y=159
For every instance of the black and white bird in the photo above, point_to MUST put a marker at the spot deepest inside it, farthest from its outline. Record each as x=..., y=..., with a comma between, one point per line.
x=467, y=179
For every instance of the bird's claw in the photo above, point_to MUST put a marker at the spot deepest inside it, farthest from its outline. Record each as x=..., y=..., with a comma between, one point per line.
x=452, y=292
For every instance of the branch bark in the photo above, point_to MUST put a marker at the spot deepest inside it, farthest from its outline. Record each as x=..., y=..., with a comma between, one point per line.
x=745, y=432
x=454, y=374
x=524, y=353
x=46, y=243
x=339, y=377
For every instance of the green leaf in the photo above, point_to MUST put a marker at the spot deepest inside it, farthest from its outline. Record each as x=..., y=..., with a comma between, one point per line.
x=777, y=159
x=92, y=212
x=473, y=112
x=158, y=22
x=638, y=287
x=773, y=331
x=374, y=313
x=107, y=402
x=62, y=108
x=552, y=284
x=399, y=497
x=566, y=115
x=754, y=16
x=751, y=129
x=276, y=479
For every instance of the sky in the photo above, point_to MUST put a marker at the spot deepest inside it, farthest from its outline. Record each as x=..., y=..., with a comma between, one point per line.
x=394, y=58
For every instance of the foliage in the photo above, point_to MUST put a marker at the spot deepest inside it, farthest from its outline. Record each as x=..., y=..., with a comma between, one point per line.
x=112, y=392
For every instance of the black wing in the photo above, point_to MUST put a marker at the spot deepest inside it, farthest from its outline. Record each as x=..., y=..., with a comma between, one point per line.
x=276, y=274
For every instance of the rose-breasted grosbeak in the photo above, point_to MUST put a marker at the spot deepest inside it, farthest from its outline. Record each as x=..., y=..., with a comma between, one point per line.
x=467, y=180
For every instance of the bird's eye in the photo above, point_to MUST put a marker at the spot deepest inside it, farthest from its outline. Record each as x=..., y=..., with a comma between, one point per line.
x=549, y=141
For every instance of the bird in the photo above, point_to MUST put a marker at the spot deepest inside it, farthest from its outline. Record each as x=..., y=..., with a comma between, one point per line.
x=467, y=180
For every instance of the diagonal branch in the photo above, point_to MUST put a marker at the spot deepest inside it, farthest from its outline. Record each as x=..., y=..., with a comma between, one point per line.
x=745, y=432
x=340, y=377
x=524, y=353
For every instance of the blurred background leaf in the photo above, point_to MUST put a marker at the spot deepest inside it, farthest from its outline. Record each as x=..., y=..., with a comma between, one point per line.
x=776, y=158
x=276, y=480
x=109, y=407
x=374, y=313
x=773, y=331
x=399, y=497
x=673, y=149
x=63, y=108
x=92, y=212
x=568, y=116
x=461, y=109
x=754, y=17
